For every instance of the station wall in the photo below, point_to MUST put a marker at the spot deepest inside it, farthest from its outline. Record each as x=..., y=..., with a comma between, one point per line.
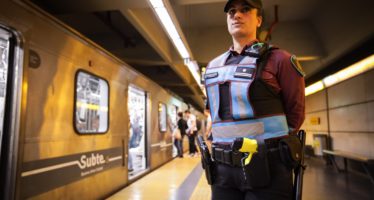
x=345, y=112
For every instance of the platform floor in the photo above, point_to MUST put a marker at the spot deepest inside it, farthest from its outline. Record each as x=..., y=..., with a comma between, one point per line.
x=183, y=179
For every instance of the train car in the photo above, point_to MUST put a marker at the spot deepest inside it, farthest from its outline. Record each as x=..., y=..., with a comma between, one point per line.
x=75, y=121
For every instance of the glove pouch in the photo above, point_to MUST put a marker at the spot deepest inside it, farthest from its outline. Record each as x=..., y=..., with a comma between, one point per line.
x=290, y=151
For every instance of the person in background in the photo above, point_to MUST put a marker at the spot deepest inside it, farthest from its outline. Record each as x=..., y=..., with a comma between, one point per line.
x=182, y=126
x=191, y=132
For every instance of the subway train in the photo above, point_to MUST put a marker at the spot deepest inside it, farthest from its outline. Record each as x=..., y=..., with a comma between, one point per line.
x=76, y=122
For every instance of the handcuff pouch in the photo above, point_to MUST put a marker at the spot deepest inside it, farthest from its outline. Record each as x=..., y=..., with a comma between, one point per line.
x=290, y=151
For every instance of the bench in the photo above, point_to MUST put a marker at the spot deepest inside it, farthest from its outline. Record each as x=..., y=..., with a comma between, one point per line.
x=366, y=162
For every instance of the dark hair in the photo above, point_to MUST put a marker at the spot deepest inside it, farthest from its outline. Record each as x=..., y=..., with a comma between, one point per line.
x=180, y=114
x=187, y=111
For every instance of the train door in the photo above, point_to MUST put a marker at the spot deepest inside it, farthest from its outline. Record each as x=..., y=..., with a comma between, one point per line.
x=137, y=156
x=11, y=57
x=173, y=125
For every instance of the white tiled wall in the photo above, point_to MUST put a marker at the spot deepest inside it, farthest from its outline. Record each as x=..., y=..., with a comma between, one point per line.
x=359, y=143
x=370, y=110
x=369, y=85
x=347, y=92
x=316, y=102
x=351, y=115
x=351, y=118
x=312, y=129
x=322, y=127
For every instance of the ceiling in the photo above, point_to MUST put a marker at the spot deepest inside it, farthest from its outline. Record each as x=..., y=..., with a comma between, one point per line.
x=326, y=35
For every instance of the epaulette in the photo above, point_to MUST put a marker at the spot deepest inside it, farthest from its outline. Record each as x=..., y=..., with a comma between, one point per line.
x=297, y=66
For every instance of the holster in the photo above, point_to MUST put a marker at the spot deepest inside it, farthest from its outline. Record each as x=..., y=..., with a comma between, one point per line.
x=257, y=172
x=206, y=160
x=209, y=168
x=290, y=151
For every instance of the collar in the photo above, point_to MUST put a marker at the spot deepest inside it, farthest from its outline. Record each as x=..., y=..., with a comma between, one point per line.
x=233, y=52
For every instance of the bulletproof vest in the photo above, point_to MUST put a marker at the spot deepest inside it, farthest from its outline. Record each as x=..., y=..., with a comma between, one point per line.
x=256, y=110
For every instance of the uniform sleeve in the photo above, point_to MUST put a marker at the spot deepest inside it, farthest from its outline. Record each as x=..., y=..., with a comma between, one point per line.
x=291, y=81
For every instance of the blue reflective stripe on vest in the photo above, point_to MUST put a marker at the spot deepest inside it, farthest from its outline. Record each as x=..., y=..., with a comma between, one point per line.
x=240, y=82
x=212, y=91
x=244, y=124
x=241, y=108
x=265, y=128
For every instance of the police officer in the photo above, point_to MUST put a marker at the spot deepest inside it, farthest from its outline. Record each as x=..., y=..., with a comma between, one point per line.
x=255, y=91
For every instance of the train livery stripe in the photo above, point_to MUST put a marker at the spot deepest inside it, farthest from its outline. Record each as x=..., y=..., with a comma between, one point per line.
x=55, y=172
x=62, y=165
x=45, y=169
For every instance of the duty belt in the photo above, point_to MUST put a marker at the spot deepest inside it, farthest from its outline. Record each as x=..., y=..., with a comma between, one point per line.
x=222, y=152
x=228, y=157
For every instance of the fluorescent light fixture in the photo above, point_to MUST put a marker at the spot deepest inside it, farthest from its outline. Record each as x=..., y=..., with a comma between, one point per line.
x=194, y=67
x=167, y=22
x=157, y=3
x=315, y=87
x=181, y=48
x=351, y=71
x=170, y=28
x=344, y=74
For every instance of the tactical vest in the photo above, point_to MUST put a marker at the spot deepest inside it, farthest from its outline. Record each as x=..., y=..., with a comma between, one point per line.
x=256, y=110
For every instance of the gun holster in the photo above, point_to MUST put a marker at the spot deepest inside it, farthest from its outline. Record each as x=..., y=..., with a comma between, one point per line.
x=206, y=160
x=209, y=168
x=290, y=151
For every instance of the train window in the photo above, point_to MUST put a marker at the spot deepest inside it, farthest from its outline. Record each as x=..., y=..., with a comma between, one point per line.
x=162, y=117
x=91, y=104
x=4, y=55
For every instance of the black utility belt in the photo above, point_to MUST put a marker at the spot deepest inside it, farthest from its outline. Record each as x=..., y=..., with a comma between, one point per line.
x=228, y=157
x=224, y=154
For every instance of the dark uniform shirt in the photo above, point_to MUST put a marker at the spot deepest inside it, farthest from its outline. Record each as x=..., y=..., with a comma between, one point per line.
x=281, y=76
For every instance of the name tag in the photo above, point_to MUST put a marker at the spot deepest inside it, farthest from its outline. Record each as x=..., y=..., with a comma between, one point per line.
x=211, y=75
x=244, y=72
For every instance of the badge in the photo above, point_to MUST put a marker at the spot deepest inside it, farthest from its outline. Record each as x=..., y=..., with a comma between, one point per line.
x=211, y=75
x=244, y=72
x=295, y=63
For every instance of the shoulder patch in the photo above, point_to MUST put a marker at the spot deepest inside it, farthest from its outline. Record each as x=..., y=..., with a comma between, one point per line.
x=295, y=63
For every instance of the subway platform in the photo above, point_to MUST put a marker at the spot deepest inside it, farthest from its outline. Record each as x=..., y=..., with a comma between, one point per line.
x=184, y=179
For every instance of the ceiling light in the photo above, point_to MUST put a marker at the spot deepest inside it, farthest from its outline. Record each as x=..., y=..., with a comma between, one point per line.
x=318, y=86
x=181, y=48
x=351, y=71
x=156, y=3
x=194, y=68
x=168, y=24
x=344, y=74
